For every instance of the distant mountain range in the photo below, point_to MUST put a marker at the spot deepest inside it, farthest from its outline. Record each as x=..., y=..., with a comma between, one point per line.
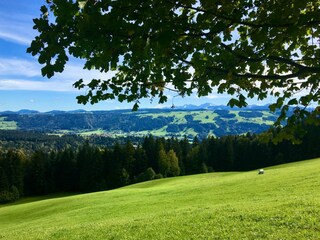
x=210, y=106
x=205, y=106
x=187, y=120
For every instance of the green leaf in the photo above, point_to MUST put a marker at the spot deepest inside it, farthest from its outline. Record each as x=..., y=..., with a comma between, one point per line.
x=94, y=83
x=135, y=107
x=79, y=84
x=293, y=101
x=82, y=99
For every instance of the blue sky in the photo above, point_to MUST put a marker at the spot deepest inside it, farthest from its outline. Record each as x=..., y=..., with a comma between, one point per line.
x=21, y=83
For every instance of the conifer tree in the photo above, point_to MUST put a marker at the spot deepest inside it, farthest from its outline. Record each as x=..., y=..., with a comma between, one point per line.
x=4, y=184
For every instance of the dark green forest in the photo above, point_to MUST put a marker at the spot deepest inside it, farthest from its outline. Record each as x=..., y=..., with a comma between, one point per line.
x=34, y=163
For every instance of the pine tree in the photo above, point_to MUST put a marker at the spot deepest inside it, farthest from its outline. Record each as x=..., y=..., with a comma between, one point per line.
x=229, y=157
x=36, y=174
x=141, y=161
x=66, y=171
x=149, y=145
x=14, y=169
x=91, y=169
x=4, y=184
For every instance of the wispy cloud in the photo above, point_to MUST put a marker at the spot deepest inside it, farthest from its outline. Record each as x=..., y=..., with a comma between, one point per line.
x=74, y=71
x=22, y=84
x=16, y=28
x=21, y=74
x=14, y=37
x=18, y=67
x=212, y=96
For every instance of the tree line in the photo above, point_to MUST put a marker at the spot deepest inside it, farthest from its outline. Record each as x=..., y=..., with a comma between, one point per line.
x=31, y=140
x=90, y=167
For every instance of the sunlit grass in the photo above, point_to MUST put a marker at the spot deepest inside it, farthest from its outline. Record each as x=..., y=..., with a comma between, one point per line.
x=160, y=132
x=284, y=203
x=7, y=125
x=178, y=116
x=92, y=132
x=205, y=116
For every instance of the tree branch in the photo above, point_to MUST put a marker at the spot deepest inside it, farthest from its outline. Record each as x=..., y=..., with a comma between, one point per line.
x=250, y=75
x=246, y=23
x=242, y=57
x=301, y=67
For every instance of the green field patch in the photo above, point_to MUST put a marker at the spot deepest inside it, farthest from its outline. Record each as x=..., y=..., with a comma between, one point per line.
x=211, y=133
x=7, y=125
x=177, y=115
x=283, y=203
x=257, y=120
x=205, y=116
x=161, y=132
x=92, y=132
x=189, y=132
x=61, y=132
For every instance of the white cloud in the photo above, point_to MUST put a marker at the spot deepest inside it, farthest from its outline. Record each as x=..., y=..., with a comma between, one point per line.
x=160, y=106
x=18, y=67
x=74, y=71
x=212, y=96
x=14, y=37
x=16, y=28
x=20, y=74
x=22, y=84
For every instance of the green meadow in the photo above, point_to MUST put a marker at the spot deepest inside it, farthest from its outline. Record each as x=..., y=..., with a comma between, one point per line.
x=7, y=125
x=283, y=203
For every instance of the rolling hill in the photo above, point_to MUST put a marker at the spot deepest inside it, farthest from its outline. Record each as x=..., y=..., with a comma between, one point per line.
x=179, y=122
x=283, y=203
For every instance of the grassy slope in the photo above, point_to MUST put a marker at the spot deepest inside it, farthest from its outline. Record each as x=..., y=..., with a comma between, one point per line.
x=7, y=125
x=284, y=203
x=203, y=116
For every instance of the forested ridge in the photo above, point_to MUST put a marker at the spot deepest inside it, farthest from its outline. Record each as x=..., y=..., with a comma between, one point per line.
x=31, y=141
x=87, y=166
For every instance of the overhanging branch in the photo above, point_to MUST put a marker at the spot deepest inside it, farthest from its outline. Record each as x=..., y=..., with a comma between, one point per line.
x=246, y=23
x=302, y=68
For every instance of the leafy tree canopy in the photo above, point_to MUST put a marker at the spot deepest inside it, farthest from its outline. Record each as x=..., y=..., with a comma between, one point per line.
x=246, y=48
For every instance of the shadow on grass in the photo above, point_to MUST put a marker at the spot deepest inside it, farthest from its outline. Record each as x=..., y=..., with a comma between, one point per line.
x=25, y=200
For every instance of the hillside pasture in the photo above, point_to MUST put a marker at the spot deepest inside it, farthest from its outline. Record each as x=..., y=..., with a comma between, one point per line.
x=160, y=123
x=283, y=203
x=7, y=125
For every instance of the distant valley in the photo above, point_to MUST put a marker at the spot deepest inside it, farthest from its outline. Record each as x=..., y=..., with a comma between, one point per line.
x=182, y=121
